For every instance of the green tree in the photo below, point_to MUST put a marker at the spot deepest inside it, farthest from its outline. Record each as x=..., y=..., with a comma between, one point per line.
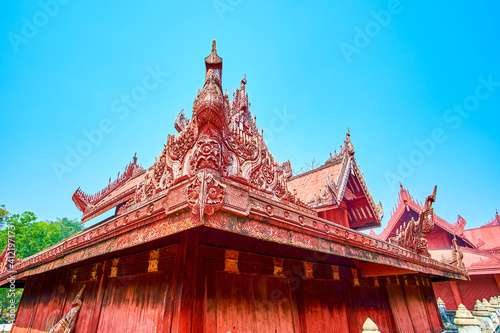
x=4, y=214
x=68, y=227
x=31, y=236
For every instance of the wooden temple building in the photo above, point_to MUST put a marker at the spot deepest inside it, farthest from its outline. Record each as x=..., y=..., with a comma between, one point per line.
x=217, y=236
x=477, y=250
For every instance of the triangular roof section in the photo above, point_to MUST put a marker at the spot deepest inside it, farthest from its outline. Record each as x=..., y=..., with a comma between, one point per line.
x=339, y=180
x=222, y=136
x=407, y=203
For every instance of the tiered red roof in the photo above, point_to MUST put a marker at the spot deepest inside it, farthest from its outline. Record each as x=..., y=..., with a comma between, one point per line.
x=339, y=186
x=406, y=206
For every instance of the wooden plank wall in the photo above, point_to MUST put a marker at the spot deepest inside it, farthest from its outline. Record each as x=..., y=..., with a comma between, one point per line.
x=189, y=287
x=28, y=304
x=435, y=320
x=127, y=294
x=397, y=301
x=49, y=308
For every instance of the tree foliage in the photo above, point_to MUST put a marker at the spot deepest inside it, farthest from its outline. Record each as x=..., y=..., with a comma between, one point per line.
x=31, y=236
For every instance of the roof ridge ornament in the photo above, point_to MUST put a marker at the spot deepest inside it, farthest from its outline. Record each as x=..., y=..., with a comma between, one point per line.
x=213, y=58
x=413, y=235
x=221, y=140
x=85, y=202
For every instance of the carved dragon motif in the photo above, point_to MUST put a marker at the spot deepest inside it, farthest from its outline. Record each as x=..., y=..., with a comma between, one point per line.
x=457, y=254
x=413, y=235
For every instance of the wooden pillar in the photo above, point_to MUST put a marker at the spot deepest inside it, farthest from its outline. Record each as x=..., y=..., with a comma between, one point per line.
x=456, y=293
x=185, y=288
x=343, y=211
x=98, y=304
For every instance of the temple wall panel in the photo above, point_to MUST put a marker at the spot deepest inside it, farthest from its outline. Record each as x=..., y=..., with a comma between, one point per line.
x=399, y=308
x=431, y=306
x=29, y=301
x=135, y=295
x=320, y=304
x=190, y=287
x=479, y=287
x=252, y=303
x=416, y=304
x=52, y=297
x=443, y=290
x=364, y=297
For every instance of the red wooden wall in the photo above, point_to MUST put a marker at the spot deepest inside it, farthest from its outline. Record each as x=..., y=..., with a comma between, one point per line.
x=479, y=287
x=188, y=287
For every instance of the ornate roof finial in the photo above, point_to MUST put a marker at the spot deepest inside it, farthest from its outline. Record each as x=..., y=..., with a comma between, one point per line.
x=213, y=58
x=135, y=158
x=347, y=143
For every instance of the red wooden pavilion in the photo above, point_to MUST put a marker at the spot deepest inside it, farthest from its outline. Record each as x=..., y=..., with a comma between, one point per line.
x=217, y=236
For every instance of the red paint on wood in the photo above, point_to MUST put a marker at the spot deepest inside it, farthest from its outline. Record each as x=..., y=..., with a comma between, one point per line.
x=497, y=280
x=456, y=293
x=251, y=303
x=399, y=309
x=443, y=290
x=363, y=301
x=190, y=262
x=135, y=303
x=321, y=306
x=185, y=270
x=53, y=295
x=479, y=287
x=29, y=301
x=94, y=323
x=84, y=319
x=432, y=309
x=416, y=306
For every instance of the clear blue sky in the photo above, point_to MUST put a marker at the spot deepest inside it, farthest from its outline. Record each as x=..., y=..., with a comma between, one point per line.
x=393, y=80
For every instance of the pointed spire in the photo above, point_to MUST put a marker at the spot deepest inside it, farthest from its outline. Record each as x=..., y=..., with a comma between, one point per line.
x=213, y=61
x=243, y=82
x=213, y=58
x=404, y=196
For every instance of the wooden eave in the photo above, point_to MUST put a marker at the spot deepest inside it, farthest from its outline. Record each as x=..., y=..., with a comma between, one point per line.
x=119, y=196
x=245, y=211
